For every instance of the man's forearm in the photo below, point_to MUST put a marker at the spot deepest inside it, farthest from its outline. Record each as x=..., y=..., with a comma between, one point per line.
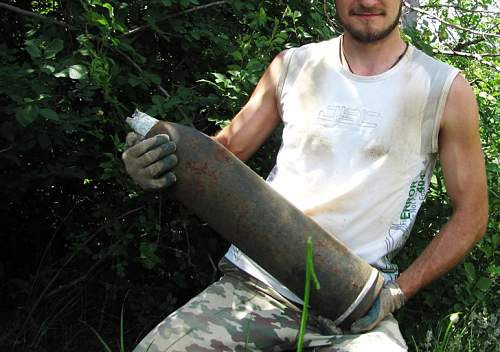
x=445, y=251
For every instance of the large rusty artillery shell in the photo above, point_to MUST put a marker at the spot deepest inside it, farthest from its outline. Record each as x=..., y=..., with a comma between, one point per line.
x=246, y=211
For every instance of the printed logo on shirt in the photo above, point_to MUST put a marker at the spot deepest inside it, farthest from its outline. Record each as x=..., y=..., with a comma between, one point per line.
x=400, y=231
x=345, y=116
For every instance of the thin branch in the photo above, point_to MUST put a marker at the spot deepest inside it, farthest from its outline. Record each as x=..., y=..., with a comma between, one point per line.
x=63, y=24
x=32, y=14
x=76, y=281
x=193, y=9
x=196, y=8
x=462, y=9
x=130, y=212
x=47, y=248
x=176, y=250
x=418, y=9
x=463, y=45
x=332, y=25
x=6, y=149
x=159, y=87
x=462, y=53
x=478, y=57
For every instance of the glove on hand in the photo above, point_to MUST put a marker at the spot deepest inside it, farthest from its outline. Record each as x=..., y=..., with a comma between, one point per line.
x=149, y=161
x=389, y=300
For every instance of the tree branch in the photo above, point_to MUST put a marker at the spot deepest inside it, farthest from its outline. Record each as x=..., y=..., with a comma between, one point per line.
x=6, y=149
x=463, y=45
x=32, y=14
x=128, y=58
x=461, y=53
x=462, y=9
x=193, y=9
x=478, y=57
x=334, y=26
x=427, y=13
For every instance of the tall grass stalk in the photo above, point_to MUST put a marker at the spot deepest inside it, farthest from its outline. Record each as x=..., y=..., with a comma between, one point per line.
x=310, y=273
x=452, y=320
x=444, y=343
x=101, y=340
x=122, y=332
x=122, y=338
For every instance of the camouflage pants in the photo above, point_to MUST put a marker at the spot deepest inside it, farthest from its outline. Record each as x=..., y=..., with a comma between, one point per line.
x=239, y=313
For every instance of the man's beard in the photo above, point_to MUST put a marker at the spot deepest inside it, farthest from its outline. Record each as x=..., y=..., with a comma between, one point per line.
x=370, y=37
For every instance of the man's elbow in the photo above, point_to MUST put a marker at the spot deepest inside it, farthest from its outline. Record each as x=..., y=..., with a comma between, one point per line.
x=234, y=148
x=482, y=223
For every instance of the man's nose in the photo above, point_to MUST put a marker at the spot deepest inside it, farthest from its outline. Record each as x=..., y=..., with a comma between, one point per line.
x=370, y=3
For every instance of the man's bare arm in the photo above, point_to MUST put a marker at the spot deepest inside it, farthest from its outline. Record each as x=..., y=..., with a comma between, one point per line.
x=257, y=119
x=462, y=163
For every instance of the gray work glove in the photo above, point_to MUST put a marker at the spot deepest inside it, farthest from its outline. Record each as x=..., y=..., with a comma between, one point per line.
x=149, y=161
x=390, y=299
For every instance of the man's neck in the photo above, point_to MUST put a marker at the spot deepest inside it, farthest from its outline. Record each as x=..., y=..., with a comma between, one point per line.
x=369, y=59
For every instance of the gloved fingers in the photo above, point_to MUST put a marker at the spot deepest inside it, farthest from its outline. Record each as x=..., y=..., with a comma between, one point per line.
x=363, y=325
x=158, y=153
x=132, y=139
x=370, y=320
x=164, y=181
x=161, y=166
x=146, y=145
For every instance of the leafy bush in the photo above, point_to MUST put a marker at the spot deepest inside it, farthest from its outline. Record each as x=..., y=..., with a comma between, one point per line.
x=78, y=234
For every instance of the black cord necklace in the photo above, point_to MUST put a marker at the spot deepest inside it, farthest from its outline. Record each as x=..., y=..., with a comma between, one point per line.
x=342, y=56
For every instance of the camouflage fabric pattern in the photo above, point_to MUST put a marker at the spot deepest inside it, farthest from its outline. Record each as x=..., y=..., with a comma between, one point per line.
x=239, y=313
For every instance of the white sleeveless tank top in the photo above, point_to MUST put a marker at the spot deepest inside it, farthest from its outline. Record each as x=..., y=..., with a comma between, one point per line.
x=358, y=152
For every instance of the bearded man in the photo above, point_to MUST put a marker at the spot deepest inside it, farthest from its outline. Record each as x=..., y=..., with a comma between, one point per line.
x=365, y=117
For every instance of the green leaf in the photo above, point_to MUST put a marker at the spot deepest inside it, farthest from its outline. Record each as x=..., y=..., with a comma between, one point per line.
x=237, y=55
x=98, y=18
x=494, y=269
x=134, y=81
x=73, y=72
x=153, y=77
x=470, y=270
x=166, y=3
x=148, y=255
x=49, y=114
x=443, y=34
x=53, y=48
x=110, y=9
x=479, y=295
x=26, y=115
x=483, y=283
x=120, y=27
x=157, y=99
x=48, y=69
x=33, y=48
x=77, y=72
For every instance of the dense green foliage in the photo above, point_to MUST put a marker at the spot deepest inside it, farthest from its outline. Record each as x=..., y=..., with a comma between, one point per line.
x=78, y=235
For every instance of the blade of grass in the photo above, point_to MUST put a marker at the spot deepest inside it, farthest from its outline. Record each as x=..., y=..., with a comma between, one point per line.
x=122, y=340
x=101, y=340
x=310, y=273
x=122, y=333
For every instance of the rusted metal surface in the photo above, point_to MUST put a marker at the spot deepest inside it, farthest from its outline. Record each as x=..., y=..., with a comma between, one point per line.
x=245, y=210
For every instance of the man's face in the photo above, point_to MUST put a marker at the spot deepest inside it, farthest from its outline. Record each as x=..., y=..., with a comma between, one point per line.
x=369, y=20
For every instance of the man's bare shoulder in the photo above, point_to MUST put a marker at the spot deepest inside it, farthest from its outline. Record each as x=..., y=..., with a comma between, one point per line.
x=277, y=65
x=461, y=106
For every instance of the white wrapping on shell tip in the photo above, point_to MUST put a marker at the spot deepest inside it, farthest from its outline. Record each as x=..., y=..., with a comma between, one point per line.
x=141, y=122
